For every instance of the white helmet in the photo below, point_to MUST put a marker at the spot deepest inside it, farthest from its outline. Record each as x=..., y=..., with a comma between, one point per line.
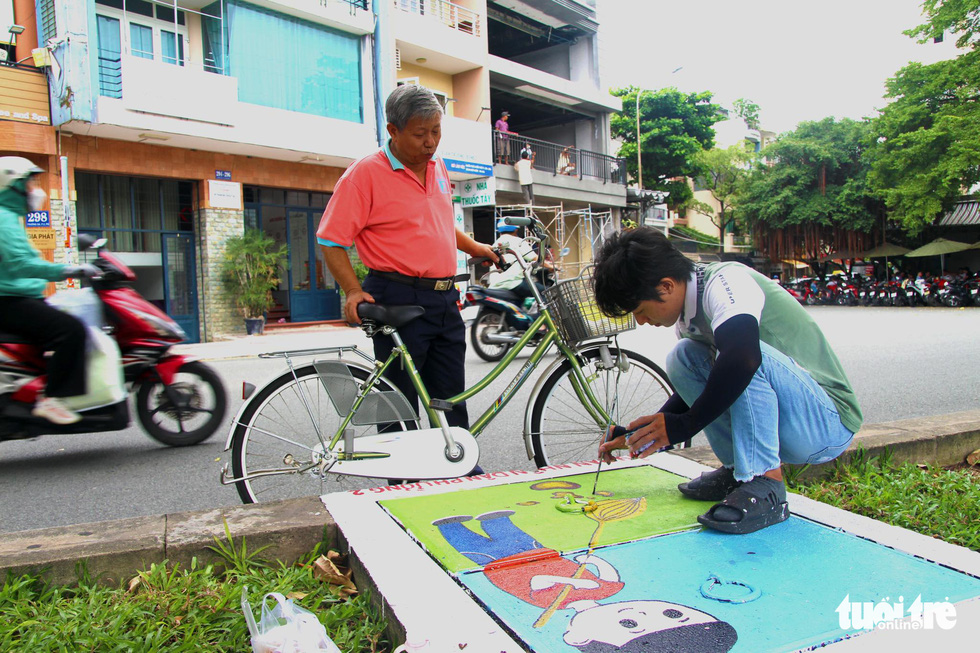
x=13, y=168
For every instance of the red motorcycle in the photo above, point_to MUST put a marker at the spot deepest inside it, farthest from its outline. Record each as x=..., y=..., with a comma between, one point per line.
x=179, y=401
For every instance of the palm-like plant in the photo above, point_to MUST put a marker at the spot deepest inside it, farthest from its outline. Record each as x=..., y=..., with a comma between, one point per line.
x=251, y=268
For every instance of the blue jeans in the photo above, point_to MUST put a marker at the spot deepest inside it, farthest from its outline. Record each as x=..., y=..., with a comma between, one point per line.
x=782, y=416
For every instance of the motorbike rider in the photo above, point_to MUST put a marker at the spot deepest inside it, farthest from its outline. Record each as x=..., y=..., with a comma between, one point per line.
x=23, y=277
x=512, y=278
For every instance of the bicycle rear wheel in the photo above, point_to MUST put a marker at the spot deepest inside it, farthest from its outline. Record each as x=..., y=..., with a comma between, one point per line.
x=562, y=431
x=277, y=430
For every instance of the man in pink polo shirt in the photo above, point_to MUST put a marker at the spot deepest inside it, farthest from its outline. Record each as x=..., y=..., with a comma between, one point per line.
x=396, y=207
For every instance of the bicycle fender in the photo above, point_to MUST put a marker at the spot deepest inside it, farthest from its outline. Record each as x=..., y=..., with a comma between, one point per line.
x=246, y=405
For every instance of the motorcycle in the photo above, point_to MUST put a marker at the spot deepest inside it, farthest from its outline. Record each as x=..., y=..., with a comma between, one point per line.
x=179, y=401
x=503, y=315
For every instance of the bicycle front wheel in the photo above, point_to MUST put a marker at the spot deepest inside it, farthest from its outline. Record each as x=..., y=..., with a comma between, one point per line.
x=278, y=430
x=563, y=431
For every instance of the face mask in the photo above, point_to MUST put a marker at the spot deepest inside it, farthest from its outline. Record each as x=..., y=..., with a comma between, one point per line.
x=36, y=198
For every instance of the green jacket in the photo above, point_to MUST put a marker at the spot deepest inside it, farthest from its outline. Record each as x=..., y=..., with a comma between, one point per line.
x=23, y=273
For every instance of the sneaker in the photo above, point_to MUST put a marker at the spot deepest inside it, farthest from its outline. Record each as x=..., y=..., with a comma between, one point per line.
x=51, y=409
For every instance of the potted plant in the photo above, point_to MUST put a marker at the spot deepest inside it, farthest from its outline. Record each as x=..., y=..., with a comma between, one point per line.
x=250, y=269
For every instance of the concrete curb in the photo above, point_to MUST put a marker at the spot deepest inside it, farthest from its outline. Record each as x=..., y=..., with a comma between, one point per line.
x=115, y=550
x=941, y=439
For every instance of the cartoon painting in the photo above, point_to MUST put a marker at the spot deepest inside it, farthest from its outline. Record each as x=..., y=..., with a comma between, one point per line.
x=630, y=572
x=516, y=563
x=535, y=509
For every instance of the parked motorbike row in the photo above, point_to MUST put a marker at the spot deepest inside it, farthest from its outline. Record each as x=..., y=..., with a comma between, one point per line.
x=897, y=291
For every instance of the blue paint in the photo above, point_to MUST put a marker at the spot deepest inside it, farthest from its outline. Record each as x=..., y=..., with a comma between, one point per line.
x=803, y=571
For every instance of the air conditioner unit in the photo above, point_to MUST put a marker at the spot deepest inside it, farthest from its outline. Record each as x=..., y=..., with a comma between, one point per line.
x=398, y=59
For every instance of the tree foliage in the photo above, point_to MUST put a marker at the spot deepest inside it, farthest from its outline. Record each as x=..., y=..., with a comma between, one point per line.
x=926, y=143
x=814, y=176
x=961, y=17
x=748, y=111
x=674, y=127
x=723, y=173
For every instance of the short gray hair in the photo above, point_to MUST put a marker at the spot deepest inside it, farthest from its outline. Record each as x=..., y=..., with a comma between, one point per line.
x=410, y=101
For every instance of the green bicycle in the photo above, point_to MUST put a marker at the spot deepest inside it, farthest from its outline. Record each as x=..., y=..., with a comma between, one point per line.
x=337, y=424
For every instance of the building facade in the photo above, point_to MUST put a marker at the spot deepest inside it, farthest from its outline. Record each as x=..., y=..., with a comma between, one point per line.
x=179, y=123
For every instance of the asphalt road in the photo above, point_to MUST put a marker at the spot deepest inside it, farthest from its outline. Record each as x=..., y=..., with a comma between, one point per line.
x=903, y=363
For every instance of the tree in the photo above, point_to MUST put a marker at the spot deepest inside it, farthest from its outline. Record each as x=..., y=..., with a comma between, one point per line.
x=674, y=127
x=814, y=185
x=926, y=143
x=748, y=111
x=723, y=172
x=956, y=16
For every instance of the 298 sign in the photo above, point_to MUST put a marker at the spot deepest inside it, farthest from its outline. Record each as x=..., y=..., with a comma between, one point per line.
x=38, y=219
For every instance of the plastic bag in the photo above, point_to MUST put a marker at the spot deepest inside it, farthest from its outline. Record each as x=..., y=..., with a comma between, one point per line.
x=285, y=627
x=104, y=381
x=84, y=305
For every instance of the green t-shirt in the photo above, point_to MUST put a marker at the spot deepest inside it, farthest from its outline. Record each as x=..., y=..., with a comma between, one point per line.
x=788, y=328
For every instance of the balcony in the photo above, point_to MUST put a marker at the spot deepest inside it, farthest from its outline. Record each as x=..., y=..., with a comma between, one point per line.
x=188, y=106
x=560, y=160
x=351, y=16
x=452, y=15
x=447, y=37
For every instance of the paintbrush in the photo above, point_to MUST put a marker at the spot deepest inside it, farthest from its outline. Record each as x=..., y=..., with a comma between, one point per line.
x=609, y=432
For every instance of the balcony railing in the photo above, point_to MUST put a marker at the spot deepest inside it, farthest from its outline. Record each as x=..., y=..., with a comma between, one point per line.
x=459, y=18
x=559, y=159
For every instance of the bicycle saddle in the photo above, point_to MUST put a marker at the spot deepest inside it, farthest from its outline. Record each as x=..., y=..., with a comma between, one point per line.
x=395, y=316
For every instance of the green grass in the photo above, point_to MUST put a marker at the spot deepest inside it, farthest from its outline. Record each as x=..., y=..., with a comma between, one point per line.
x=161, y=609
x=937, y=502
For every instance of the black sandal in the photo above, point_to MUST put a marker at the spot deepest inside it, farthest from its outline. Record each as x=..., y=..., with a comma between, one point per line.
x=710, y=486
x=757, y=513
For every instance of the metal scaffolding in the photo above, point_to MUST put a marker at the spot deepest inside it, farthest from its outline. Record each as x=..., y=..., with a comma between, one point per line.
x=575, y=235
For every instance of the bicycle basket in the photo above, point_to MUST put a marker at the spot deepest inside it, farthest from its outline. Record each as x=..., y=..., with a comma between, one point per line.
x=576, y=314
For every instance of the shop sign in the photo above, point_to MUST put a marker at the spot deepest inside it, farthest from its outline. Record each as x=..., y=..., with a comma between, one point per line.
x=43, y=238
x=224, y=195
x=477, y=192
x=37, y=219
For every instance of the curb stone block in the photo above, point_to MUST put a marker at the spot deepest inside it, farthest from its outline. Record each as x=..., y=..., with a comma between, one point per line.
x=290, y=529
x=112, y=551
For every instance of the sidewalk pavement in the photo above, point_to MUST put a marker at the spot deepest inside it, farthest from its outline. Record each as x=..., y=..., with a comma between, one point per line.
x=320, y=335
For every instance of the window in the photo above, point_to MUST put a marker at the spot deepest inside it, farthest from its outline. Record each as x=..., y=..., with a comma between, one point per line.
x=171, y=48
x=440, y=96
x=141, y=41
x=144, y=29
x=303, y=66
x=132, y=212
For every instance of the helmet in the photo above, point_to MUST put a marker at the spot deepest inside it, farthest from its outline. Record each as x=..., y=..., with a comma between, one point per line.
x=504, y=228
x=14, y=168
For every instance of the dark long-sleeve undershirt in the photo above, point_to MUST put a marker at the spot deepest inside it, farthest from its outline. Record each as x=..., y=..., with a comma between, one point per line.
x=739, y=356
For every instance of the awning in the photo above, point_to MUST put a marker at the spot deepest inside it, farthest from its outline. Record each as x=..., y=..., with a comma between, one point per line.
x=963, y=213
x=796, y=264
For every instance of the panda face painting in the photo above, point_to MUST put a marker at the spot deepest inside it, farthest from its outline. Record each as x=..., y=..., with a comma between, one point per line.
x=648, y=626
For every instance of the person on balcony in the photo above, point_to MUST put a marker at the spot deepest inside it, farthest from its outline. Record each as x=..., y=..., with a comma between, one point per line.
x=523, y=167
x=502, y=129
x=565, y=164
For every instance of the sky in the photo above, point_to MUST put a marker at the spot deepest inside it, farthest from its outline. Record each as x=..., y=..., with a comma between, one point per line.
x=797, y=60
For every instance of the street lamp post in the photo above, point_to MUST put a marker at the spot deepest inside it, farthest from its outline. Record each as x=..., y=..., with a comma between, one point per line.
x=639, y=160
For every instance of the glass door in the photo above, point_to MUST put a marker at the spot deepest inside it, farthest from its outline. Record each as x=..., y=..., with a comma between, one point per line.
x=180, y=283
x=312, y=291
